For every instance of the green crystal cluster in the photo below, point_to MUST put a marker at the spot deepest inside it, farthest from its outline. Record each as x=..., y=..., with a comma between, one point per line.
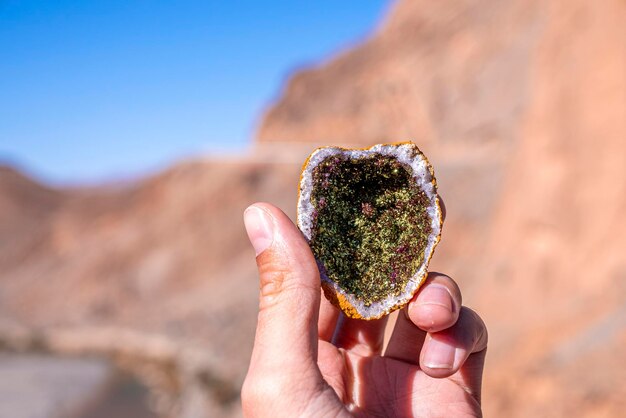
x=370, y=224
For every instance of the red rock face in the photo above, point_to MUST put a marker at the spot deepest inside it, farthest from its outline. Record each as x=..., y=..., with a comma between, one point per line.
x=521, y=107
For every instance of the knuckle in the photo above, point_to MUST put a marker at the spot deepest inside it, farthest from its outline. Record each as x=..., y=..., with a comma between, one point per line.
x=277, y=277
x=272, y=271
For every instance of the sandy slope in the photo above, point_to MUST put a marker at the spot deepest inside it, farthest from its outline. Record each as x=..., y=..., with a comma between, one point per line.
x=521, y=107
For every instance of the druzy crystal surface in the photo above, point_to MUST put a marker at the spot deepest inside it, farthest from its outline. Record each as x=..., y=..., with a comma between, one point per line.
x=370, y=224
x=372, y=219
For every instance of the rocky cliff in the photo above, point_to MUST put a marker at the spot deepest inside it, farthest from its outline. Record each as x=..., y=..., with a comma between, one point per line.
x=521, y=108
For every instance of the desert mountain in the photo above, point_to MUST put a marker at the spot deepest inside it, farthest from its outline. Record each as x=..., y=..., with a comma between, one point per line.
x=521, y=108
x=158, y=270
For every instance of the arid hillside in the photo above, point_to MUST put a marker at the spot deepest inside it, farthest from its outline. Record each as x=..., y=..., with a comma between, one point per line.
x=156, y=274
x=521, y=108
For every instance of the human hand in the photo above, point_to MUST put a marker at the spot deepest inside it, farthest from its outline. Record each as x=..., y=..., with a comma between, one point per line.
x=309, y=359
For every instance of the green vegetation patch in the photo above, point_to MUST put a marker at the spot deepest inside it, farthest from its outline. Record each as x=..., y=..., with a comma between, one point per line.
x=370, y=224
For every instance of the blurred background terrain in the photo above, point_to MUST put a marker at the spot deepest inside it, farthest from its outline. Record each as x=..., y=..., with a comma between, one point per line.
x=144, y=290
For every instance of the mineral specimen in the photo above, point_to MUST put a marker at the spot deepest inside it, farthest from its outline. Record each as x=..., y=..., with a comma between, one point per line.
x=372, y=219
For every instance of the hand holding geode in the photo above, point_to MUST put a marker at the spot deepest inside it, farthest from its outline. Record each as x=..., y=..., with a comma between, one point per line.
x=372, y=219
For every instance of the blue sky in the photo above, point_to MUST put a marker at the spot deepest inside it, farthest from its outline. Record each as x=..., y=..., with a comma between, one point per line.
x=97, y=90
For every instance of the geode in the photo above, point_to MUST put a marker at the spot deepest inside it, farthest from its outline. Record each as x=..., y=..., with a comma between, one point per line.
x=372, y=219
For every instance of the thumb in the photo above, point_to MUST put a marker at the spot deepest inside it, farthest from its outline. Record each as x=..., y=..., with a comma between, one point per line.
x=286, y=336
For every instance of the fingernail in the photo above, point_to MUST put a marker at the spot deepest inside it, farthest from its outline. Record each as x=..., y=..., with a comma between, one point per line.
x=435, y=294
x=259, y=227
x=438, y=355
